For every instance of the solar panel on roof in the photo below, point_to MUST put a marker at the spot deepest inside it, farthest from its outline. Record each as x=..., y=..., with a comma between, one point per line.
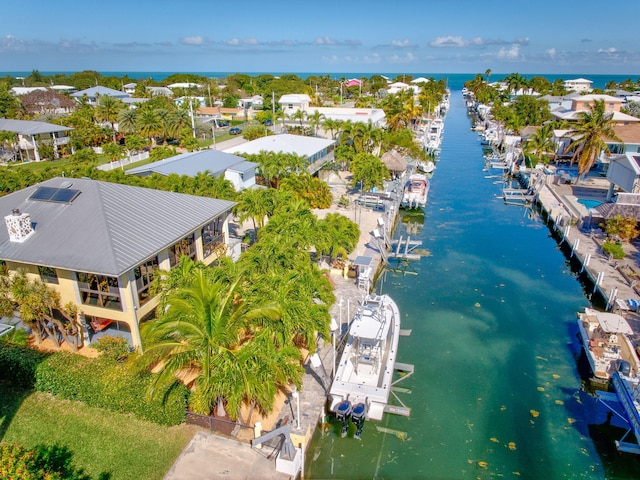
x=52, y=194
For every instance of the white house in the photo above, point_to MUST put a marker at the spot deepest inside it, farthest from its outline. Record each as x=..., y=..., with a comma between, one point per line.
x=94, y=93
x=578, y=85
x=293, y=102
x=315, y=151
x=240, y=172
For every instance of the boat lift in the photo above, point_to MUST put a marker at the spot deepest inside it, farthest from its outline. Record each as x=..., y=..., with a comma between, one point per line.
x=627, y=397
x=289, y=459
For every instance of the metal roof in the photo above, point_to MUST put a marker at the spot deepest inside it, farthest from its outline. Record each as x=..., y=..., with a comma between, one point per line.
x=99, y=90
x=27, y=127
x=284, y=143
x=107, y=229
x=192, y=163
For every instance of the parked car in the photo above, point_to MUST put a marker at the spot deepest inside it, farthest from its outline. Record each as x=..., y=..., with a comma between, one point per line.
x=235, y=131
x=268, y=123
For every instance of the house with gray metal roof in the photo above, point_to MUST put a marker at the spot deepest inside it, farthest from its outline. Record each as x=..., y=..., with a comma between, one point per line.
x=98, y=244
x=94, y=93
x=315, y=151
x=240, y=172
x=30, y=133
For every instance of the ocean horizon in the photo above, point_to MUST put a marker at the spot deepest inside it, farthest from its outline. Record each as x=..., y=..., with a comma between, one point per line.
x=455, y=81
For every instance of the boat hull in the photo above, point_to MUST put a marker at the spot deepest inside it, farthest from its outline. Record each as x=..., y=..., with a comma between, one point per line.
x=365, y=372
x=607, y=347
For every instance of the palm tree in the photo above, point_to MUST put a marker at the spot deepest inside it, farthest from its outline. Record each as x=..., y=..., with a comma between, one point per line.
x=331, y=125
x=315, y=119
x=298, y=115
x=149, y=124
x=128, y=121
x=540, y=146
x=108, y=110
x=253, y=204
x=208, y=329
x=594, y=127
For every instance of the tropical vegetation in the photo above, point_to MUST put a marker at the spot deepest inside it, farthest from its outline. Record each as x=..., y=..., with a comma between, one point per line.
x=590, y=133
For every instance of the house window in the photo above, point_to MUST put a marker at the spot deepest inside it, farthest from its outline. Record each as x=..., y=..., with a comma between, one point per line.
x=144, y=276
x=212, y=236
x=48, y=274
x=290, y=106
x=99, y=290
x=186, y=246
x=616, y=148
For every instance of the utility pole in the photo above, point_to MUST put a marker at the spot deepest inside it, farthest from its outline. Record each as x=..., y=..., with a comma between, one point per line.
x=273, y=111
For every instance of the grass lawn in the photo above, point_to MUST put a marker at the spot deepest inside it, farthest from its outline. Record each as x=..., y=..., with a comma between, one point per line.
x=116, y=446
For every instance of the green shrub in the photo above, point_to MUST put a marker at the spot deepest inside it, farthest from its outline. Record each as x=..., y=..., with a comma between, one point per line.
x=114, y=348
x=615, y=249
x=18, y=364
x=102, y=383
x=42, y=462
x=99, y=382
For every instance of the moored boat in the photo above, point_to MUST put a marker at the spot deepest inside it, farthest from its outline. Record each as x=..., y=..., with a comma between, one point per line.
x=606, y=342
x=416, y=191
x=364, y=376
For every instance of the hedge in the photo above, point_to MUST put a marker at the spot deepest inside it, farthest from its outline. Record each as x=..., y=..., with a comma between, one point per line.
x=99, y=382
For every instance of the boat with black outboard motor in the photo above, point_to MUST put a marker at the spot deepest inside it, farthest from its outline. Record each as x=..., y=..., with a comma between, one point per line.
x=364, y=376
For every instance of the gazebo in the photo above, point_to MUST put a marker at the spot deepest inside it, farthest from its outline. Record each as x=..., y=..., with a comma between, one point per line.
x=395, y=162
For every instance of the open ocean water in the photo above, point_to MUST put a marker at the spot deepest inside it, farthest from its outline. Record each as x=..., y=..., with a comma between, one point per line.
x=455, y=81
x=492, y=305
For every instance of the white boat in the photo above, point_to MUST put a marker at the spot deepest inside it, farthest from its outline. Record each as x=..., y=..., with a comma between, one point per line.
x=364, y=376
x=416, y=191
x=426, y=167
x=433, y=136
x=605, y=338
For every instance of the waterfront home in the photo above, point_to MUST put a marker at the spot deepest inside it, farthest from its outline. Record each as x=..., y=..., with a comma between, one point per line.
x=354, y=115
x=91, y=95
x=30, y=134
x=240, y=172
x=578, y=85
x=583, y=103
x=98, y=244
x=315, y=151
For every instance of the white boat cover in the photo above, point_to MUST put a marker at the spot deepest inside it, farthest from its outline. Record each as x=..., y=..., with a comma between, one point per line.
x=612, y=322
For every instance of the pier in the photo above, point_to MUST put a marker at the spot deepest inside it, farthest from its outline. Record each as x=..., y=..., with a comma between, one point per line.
x=612, y=279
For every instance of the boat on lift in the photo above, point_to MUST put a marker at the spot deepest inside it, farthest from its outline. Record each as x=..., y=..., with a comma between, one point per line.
x=364, y=376
x=416, y=191
x=606, y=342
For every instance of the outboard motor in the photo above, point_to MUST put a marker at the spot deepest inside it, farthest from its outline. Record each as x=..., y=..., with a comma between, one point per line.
x=357, y=416
x=624, y=368
x=343, y=412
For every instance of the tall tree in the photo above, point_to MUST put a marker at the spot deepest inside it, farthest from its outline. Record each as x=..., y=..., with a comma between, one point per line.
x=108, y=110
x=208, y=329
x=592, y=130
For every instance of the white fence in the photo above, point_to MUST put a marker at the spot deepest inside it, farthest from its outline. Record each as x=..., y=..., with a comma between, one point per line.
x=126, y=161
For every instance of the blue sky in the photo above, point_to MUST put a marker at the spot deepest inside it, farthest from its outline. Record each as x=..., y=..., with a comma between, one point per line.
x=409, y=36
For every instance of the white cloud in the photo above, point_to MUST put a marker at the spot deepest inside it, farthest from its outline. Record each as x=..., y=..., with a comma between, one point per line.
x=323, y=41
x=400, y=43
x=512, y=53
x=408, y=58
x=609, y=51
x=330, y=59
x=233, y=42
x=449, y=41
x=196, y=40
x=372, y=59
x=550, y=52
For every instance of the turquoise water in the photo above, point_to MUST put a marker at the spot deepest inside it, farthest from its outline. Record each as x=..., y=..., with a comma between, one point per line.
x=589, y=203
x=496, y=391
x=455, y=81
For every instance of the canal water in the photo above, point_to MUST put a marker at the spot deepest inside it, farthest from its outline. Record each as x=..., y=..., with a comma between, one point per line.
x=492, y=307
